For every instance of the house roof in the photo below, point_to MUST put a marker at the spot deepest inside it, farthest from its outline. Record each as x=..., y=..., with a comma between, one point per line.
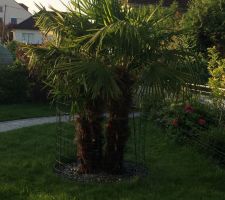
x=181, y=3
x=22, y=6
x=28, y=24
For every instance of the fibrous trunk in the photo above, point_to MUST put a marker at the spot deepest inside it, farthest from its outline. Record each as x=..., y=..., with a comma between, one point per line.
x=117, y=132
x=89, y=140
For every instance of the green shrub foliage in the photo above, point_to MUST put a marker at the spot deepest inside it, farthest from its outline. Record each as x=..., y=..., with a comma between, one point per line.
x=204, y=24
x=17, y=85
x=13, y=83
x=216, y=68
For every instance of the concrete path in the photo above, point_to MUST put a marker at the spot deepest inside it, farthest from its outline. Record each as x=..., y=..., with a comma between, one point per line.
x=22, y=123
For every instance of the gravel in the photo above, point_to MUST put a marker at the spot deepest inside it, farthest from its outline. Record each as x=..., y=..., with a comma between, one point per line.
x=131, y=170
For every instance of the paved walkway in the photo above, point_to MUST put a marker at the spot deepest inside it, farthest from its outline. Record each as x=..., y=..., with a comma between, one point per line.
x=22, y=123
x=16, y=124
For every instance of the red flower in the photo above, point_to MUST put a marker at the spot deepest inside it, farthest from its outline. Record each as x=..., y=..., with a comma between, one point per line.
x=188, y=108
x=201, y=121
x=175, y=122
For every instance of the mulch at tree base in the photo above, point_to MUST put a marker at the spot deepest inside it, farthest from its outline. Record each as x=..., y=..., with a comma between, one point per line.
x=131, y=170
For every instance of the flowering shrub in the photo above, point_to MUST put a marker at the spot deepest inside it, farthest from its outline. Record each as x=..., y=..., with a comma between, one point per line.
x=184, y=119
x=201, y=122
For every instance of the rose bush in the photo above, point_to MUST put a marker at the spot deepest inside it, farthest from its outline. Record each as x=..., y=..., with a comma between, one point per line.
x=184, y=119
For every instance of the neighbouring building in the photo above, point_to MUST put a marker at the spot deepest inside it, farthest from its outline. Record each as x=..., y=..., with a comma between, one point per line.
x=12, y=12
x=17, y=23
x=26, y=32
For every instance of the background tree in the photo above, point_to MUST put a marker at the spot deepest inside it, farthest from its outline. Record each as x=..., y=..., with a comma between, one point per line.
x=204, y=23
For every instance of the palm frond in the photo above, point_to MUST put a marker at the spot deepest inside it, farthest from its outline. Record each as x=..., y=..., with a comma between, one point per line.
x=98, y=79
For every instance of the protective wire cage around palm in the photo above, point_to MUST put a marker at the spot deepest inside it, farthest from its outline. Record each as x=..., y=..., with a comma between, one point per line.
x=66, y=142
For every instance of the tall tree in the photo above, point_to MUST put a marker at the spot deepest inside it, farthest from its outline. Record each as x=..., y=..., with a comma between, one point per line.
x=103, y=54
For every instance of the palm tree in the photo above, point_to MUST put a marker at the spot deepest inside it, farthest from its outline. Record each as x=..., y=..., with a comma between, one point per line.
x=103, y=54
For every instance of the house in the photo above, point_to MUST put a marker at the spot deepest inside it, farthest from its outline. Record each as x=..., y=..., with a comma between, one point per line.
x=11, y=13
x=17, y=23
x=26, y=32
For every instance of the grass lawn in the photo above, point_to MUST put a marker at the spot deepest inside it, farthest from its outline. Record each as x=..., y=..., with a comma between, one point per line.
x=22, y=111
x=176, y=172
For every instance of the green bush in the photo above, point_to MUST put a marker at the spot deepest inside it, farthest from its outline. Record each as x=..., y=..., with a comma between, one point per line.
x=204, y=24
x=13, y=83
x=17, y=85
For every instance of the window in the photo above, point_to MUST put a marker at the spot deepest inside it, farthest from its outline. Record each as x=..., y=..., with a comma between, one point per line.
x=28, y=38
x=13, y=20
x=1, y=9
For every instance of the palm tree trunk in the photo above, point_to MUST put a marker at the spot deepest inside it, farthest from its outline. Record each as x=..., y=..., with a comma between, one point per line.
x=89, y=140
x=95, y=118
x=83, y=141
x=117, y=132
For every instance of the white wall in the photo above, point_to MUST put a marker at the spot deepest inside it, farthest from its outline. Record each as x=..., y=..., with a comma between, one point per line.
x=13, y=10
x=35, y=36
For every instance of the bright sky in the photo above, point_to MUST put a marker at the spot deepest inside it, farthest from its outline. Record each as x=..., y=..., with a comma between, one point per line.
x=55, y=3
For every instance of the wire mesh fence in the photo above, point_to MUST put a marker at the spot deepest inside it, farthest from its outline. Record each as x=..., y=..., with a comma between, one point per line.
x=139, y=125
x=66, y=146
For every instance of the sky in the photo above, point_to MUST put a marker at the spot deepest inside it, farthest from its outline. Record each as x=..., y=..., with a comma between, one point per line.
x=46, y=3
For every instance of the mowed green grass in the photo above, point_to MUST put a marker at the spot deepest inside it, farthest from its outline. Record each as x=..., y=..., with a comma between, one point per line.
x=175, y=172
x=22, y=111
